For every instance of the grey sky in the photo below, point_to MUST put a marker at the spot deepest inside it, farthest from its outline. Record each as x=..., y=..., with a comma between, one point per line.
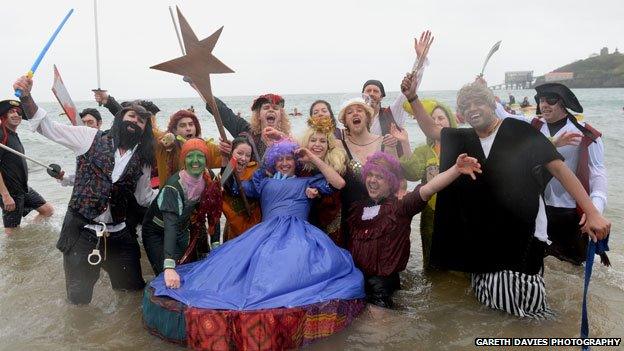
x=292, y=47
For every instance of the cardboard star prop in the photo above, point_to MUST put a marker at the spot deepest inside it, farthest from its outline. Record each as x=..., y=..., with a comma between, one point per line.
x=198, y=64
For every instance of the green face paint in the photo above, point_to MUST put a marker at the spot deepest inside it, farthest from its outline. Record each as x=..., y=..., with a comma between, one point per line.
x=195, y=163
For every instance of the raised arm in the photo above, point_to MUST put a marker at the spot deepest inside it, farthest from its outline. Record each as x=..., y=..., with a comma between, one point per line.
x=425, y=122
x=76, y=138
x=234, y=124
x=328, y=171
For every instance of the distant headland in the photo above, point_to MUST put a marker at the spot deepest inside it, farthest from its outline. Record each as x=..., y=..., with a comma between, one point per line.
x=604, y=70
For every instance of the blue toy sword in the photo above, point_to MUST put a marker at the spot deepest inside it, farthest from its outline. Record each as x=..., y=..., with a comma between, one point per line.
x=33, y=69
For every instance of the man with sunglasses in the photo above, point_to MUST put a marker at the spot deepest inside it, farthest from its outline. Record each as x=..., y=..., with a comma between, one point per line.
x=582, y=147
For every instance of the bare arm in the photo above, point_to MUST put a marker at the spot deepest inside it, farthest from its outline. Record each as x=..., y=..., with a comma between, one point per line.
x=425, y=122
x=464, y=165
x=7, y=199
x=596, y=225
x=328, y=171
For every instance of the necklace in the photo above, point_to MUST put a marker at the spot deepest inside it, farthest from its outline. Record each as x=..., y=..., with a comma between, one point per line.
x=354, y=143
x=493, y=128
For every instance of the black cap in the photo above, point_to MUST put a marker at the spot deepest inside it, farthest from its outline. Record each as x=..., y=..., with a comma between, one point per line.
x=93, y=112
x=6, y=105
x=557, y=89
x=376, y=83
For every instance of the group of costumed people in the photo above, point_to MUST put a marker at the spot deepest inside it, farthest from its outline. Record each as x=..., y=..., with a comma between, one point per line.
x=318, y=226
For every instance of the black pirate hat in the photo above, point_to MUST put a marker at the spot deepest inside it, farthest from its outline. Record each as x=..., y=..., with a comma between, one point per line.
x=559, y=90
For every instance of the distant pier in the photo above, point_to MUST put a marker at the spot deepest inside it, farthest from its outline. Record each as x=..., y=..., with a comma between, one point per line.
x=516, y=80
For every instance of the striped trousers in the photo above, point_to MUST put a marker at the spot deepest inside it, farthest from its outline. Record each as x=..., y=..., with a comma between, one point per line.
x=516, y=293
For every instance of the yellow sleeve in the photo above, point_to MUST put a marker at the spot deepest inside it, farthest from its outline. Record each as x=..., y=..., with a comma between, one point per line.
x=214, y=155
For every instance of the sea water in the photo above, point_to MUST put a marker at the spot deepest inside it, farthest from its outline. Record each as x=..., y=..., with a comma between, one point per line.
x=434, y=312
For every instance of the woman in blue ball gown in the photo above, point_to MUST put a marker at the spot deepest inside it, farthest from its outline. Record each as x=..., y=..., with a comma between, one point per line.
x=281, y=262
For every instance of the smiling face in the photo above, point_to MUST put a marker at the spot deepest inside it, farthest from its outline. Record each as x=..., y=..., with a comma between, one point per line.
x=195, y=163
x=320, y=110
x=439, y=118
x=285, y=164
x=14, y=118
x=377, y=185
x=318, y=144
x=242, y=154
x=186, y=128
x=552, y=108
x=356, y=119
x=478, y=114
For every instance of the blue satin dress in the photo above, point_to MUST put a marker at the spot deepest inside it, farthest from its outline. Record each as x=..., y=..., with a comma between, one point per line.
x=284, y=261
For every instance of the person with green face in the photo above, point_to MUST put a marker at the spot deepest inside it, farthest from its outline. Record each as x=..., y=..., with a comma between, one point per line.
x=174, y=229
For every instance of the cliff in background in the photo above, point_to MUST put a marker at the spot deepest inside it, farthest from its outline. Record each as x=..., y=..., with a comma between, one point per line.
x=599, y=71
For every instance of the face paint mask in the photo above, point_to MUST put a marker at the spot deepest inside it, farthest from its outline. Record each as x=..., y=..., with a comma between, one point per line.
x=195, y=163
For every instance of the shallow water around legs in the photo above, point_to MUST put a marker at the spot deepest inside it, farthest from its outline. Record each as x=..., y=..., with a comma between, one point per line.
x=435, y=311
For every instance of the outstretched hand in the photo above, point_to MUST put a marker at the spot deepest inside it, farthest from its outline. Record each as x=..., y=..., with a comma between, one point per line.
x=422, y=45
x=468, y=165
x=568, y=138
x=399, y=134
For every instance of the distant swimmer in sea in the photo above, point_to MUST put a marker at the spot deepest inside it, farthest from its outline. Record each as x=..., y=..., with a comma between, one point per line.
x=295, y=113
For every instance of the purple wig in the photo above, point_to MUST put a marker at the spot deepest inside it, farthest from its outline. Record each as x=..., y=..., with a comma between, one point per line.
x=281, y=148
x=387, y=165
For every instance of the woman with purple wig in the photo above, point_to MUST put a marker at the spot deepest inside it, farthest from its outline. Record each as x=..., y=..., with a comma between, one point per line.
x=283, y=282
x=380, y=225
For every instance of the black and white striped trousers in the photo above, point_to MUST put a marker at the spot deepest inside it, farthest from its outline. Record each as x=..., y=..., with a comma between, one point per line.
x=520, y=294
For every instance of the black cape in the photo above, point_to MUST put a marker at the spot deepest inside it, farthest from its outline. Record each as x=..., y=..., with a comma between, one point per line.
x=488, y=225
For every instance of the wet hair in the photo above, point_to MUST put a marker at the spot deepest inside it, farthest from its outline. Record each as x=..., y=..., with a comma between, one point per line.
x=331, y=112
x=386, y=164
x=145, y=147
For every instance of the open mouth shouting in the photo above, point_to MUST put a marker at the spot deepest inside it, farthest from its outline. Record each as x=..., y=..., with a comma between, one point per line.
x=271, y=119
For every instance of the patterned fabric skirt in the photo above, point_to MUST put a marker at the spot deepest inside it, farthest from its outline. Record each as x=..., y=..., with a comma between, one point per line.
x=268, y=329
x=516, y=293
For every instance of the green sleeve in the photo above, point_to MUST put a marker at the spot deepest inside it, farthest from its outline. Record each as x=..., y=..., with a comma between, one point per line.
x=414, y=166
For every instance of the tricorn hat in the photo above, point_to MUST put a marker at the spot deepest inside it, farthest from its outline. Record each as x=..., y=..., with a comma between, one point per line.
x=557, y=89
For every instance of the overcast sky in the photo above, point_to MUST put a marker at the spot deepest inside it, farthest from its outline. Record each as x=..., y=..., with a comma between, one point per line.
x=293, y=47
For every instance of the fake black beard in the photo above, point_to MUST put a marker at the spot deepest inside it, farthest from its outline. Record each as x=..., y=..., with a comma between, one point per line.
x=129, y=138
